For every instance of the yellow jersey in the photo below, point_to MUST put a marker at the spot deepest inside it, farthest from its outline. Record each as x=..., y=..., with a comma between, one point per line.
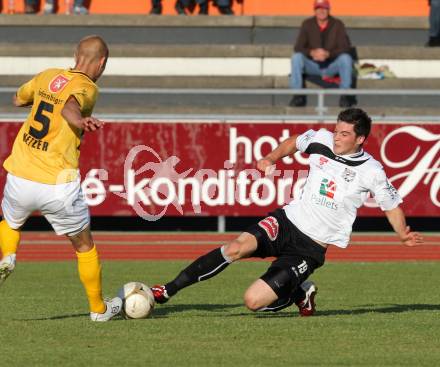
x=46, y=149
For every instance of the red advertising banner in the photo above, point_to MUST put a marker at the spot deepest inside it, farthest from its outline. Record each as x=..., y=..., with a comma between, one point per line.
x=207, y=168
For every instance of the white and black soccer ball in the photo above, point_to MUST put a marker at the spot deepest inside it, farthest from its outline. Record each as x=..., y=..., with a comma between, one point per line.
x=138, y=300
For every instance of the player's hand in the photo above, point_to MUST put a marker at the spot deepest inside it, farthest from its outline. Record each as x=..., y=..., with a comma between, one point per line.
x=412, y=239
x=91, y=124
x=266, y=165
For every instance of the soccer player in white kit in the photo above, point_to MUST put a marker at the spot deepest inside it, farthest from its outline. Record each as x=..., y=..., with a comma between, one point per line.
x=341, y=177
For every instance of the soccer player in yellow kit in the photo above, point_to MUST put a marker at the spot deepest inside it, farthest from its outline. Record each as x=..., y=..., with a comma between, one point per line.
x=43, y=166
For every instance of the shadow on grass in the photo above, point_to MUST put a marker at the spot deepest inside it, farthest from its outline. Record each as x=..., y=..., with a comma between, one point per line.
x=218, y=310
x=59, y=317
x=394, y=308
x=365, y=309
x=159, y=312
x=163, y=311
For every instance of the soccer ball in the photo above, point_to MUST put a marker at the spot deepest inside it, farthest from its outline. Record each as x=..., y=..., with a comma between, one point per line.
x=138, y=300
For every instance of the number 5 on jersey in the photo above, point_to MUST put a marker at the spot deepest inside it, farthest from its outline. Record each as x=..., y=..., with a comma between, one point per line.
x=43, y=119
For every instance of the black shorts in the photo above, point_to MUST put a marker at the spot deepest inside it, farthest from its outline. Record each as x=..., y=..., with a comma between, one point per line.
x=297, y=255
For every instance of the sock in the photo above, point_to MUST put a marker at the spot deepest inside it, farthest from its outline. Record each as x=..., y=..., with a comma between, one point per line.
x=203, y=268
x=89, y=269
x=278, y=305
x=296, y=296
x=9, y=239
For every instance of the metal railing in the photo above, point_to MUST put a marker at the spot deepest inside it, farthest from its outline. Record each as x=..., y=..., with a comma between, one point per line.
x=321, y=108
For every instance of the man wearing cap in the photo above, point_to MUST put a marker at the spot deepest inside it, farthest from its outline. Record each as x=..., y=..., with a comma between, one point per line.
x=322, y=48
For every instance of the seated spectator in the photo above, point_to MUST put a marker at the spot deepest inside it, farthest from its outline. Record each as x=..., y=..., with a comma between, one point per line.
x=224, y=6
x=181, y=6
x=79, y=8
x=184, y=6
x=434, y=24
x=49, y=7
x=322, y=48
x=156, y=7
x=30, y=6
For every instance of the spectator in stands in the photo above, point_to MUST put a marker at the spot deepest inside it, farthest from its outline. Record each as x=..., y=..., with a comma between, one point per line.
x=30, y=6
x=434, y=24
x=49, y=7
x=182, y=6
x=322, y=48
x=224, y=6
x=156, y=7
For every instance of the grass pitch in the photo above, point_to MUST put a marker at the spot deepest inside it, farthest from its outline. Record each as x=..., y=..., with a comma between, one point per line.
x=369, y=314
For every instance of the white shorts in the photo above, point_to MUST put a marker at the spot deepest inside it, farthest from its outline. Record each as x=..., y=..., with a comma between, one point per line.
x=63, y=205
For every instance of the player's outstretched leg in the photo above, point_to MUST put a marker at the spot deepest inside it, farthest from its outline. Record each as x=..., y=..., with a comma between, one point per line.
x=203, y=268
x=207, y=266
x=9, y=240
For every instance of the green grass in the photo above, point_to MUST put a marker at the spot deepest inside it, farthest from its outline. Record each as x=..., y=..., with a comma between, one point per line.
x=383, y=314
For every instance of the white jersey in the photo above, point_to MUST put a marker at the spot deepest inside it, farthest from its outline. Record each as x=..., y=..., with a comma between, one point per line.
x=335, y=188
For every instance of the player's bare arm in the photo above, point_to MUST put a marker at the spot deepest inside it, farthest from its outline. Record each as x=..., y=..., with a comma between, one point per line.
x=72, y=114
x=286, y=148
x=396, y=217
x=19, y=103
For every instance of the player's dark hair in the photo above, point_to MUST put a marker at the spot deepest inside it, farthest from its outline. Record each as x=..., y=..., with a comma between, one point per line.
x=357, y=117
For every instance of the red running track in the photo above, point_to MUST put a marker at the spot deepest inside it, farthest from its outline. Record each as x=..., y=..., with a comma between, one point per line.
x=46, y=246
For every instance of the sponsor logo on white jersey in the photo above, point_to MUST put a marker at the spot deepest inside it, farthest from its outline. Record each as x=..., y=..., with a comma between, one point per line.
x=322, y=160
x=327, y=188
x=323, y=201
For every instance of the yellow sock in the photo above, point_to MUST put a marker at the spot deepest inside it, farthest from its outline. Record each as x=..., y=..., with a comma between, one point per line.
x=9, y=239
x=89, y=269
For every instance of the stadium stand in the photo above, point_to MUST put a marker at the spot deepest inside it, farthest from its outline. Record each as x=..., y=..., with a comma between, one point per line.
x=253, y=7
x=230, y=52
x=250, y=52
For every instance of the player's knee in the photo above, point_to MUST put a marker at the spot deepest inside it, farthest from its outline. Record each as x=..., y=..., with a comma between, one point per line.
x=82, y=246
x=252, y=301
x=241, y=247
x=234, y=250
x=82, y=241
